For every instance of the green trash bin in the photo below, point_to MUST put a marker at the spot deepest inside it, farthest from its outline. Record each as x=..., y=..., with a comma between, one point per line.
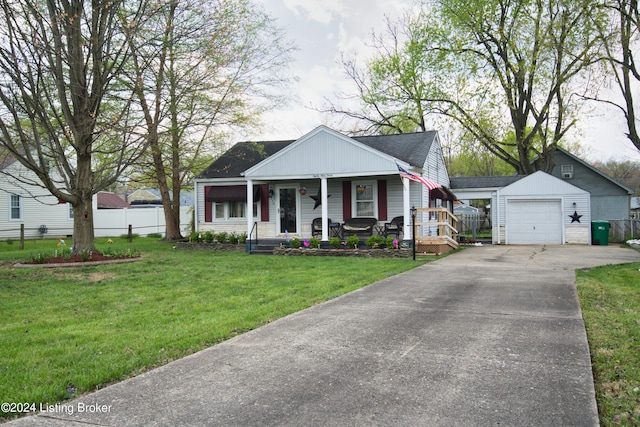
x=600, y=233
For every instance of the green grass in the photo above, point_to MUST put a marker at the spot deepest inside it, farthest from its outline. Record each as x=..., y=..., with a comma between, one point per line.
x=84, y=328
x=610, y=300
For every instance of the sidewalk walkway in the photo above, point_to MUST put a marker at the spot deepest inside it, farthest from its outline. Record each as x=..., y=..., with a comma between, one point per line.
x=489, y=336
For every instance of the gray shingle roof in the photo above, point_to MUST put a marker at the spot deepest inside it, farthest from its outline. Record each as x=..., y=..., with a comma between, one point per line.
x=483, y=181
x=412, y=148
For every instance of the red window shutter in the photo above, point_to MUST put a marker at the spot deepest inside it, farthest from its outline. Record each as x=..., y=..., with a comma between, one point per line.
x=382, y=200
x=208, y=217
x=346, y=200
x=264, y=202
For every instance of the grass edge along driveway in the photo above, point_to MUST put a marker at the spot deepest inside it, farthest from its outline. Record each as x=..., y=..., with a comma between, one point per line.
x=68, y=331
x=610, y=301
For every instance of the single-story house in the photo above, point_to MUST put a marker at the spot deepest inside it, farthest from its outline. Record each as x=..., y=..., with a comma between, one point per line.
x=324, y=174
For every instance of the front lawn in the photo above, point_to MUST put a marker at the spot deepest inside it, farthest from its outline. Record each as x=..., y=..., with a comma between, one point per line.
x=610, y=300
x=66, y=331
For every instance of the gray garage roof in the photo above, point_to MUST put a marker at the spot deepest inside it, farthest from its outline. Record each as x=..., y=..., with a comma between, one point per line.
x=470, y=182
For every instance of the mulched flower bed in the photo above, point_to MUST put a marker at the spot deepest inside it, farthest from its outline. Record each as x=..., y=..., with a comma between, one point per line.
x=96, y=258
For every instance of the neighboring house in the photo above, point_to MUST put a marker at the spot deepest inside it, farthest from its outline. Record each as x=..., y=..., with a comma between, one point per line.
x=106, y=200
x=150, y=197
x=30, y=205
x=635, y=207
x=24, y=204
x=610, y=200
x=324, y=174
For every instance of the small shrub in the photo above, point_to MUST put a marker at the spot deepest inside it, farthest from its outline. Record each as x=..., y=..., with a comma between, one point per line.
x=234, y=238
x=207, y=237
x=38, y=258
x=352, y=242
x=9, y=241
x=314, y=242
x=295, y=243
x=155, y=235
x=242, y=238
x=85, y=255
x=375, y=242
x=389, y=242
x=194, y=237
x=335, y=243
x=222, y=237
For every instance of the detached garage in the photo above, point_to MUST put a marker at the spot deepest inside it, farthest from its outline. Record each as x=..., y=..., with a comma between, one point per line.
x=541, y=209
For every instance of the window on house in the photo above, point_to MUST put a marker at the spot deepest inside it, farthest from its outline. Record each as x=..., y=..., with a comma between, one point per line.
x=232, y=210
x=218, y=209
x=567, y=171
x=15, y=207
x=70, y=211
x=365, y=199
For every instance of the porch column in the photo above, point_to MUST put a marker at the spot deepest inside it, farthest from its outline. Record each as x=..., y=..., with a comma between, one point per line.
x=406, y=209
x=249, y=207
x=325, y=209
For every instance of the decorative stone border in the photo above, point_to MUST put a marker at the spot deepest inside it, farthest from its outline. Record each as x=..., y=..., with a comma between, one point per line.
x=78, y=264
x=362, y=253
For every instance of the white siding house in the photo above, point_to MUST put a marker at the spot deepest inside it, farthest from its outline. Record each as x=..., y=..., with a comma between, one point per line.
x=316, y=176
x=21, y=203
x=42, y=215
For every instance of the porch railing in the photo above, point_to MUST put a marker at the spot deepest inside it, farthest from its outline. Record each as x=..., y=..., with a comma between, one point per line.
x=250, y=240
x=436, y=226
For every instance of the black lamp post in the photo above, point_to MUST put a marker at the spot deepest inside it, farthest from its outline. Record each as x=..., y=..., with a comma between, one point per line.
x=413, y=230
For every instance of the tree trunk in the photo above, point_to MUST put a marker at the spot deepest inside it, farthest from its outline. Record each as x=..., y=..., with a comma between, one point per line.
x=83, y=232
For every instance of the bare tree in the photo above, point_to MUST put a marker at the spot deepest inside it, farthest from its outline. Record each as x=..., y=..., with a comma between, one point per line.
x=198, y=69
x=621, y=36
x=60, y=115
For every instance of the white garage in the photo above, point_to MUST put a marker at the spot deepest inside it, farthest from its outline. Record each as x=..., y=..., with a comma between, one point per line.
x=541, y=209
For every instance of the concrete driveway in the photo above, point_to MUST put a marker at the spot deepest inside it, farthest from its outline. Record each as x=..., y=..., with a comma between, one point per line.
x=489, y=336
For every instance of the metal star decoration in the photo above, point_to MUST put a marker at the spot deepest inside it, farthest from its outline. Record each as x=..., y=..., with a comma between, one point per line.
x=575, y=217
x=318, y=198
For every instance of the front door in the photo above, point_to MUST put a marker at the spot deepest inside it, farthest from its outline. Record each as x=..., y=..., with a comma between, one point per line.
x=287, y=210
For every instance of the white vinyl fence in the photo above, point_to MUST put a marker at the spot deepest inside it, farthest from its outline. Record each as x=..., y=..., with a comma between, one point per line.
x=115, y=222
x=107, y=223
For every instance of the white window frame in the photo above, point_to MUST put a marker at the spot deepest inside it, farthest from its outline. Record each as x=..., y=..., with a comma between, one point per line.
x=374, y=188
x=227, y=212
x=70, y=215
x=20, y=207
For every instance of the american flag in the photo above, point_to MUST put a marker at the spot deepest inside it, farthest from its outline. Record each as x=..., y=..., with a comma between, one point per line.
x=413, y=177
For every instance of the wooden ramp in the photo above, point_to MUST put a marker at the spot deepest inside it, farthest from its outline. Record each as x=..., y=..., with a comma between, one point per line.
x=436, y=230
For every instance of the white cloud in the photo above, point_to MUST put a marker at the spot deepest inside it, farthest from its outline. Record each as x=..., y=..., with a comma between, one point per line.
x=321, y=11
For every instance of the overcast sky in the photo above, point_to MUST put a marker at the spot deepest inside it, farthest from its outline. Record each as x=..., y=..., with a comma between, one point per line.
x=323, y=30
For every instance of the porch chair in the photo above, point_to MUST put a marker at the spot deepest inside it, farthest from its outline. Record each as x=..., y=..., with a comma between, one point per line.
x=316, y=227
x=395, y=227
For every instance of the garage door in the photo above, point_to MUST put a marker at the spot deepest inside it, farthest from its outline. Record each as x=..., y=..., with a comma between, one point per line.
x=534, y=222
